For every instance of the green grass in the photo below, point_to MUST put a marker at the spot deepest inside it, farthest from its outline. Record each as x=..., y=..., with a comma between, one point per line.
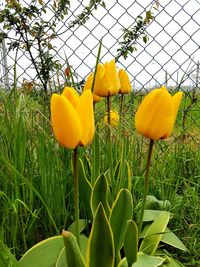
x=36, y=185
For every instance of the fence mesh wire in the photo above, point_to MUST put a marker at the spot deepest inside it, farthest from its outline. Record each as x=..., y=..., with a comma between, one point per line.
x=171, y=55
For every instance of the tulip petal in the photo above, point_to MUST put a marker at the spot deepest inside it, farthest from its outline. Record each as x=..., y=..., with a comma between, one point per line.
x=97, y=98
x=88, y=86
x=114, y=118
x=65, y=121
x=176, y=101
x=88, y=83
x=125, y=87
x=112, y=78
x=107, y=81
x=86, y=115
x=155, y=116
x=71, y=94
x=100, y=88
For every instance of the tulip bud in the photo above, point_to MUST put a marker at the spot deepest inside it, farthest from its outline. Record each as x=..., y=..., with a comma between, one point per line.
x=157, y=113
x=72, y=117
x=114, y=118
x=88, y=86
x=107, y=80
x=125, y=82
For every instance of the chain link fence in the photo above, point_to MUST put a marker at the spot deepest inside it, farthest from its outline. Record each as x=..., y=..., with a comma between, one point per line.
x=170, y=55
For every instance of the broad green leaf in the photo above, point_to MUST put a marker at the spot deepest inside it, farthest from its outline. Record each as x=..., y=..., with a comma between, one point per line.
x=61, y=262
x=73, y=254
x=144, y=230
x=143, y=261
x=147, y=261
x=121, y=212
x=154, y=234
x=151, y=215
x=168, y=237
x=100, y=194
x=123, y=263
x=100, y=249
x=82, y=225
x=6, y=257
x=131, y=242
x=85, y=189
x=172, y=263
x=169, y=260
x=152, y=203
x=171, y=239
x=43, y=254
x=84, y=242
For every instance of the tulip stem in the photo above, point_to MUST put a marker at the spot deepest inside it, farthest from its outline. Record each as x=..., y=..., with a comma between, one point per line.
x=76, y=194
x=121, y=103
x=121, y=115
x=110, y=143
x=146, y=179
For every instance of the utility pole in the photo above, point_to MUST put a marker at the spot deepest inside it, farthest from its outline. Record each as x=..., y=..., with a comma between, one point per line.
x=4, y=76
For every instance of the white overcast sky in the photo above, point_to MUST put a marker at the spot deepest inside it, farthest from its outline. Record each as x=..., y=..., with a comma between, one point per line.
x=174, y=42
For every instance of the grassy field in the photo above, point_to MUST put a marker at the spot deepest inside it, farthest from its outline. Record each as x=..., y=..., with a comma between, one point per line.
x=36, y=187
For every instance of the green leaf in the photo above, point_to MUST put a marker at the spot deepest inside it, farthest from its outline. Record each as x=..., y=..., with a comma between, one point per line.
x=95, y=157
x=100, y=249
x=43, y=254
x=171, y=239
x=151, y=215
x=123, y=263
x=153, y=203
x=6, y=257
x=143, y=261
x=82, y=225
x=85, y=189
x=100, y=194
x=131, y=242
x=154, y=234
x=171, y=262
x=83, y=242
x=129, y=176
x=61, y=262
x=145, y=38
x=121, y=212
x=73, y=254
x=117, y=170
x=147, y=261
x=168, y=237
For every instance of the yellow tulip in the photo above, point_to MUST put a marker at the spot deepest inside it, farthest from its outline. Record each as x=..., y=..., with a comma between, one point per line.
x=107, y=80
x=72, y=117
x=125, y=82
x=157, y=113
x=88, y=86
x=114, y=118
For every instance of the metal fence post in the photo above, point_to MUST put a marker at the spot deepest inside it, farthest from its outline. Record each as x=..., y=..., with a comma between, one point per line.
x=4, y=64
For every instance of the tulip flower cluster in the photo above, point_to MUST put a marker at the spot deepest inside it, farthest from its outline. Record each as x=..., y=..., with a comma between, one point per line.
x=72, y=117
x=108, y=81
